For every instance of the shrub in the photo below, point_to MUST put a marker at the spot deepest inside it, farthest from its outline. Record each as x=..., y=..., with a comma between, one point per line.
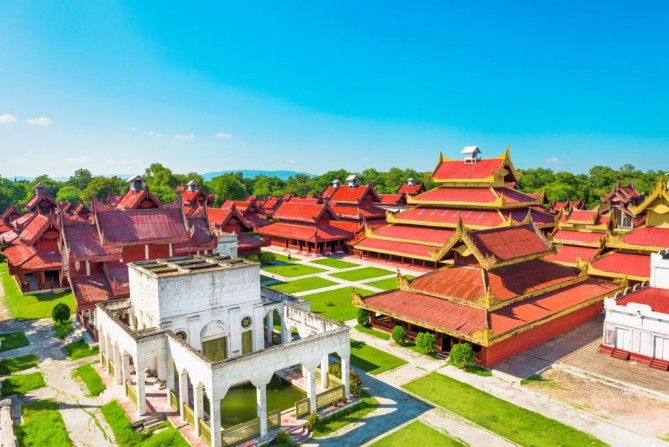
x=283, y=439
x=312, y=421
x=426, y=342
x=462, y=354
x=354, y=380
x=399, y=335
x=253, y=258
x=335, y=369
x=363, y=317
x=267, y=257
x=60, y=313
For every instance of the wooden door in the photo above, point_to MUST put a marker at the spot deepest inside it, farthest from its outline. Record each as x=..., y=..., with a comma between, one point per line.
x=216, y=349
x=247, y=342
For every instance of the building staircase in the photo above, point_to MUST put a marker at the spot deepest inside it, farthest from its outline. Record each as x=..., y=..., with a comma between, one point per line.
x=620, y=354
x=659, y=364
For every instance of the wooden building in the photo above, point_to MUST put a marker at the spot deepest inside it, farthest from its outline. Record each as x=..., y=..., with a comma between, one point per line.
x=619, y=203
x=355, y=205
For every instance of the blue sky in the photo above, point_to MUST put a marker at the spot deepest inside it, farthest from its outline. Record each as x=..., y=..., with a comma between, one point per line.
x=313, y=86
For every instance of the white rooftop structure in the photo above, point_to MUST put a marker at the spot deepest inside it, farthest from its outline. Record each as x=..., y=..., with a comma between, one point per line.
x=471, y=154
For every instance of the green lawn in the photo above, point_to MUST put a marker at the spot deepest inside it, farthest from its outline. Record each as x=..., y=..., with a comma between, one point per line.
x=292, y=270
x=30, y=307
x=62, y=330
x=387, y=284
x=372, y=360
x=366, y=406
x=336, y=304
x=42, y=426
x=517, y=424
x=13, y=340
x=303, y=284
x=363, y=273
x=125, y=436
x=282, y=258
x=415, y=431
x=87, y=374
x=13, y=364
x=372, y=331
x=79, y=349
x=335, y=263
x=22, y=383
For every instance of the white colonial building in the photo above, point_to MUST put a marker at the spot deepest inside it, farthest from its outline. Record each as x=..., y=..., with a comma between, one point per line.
x=637, y=319
x=203, y=324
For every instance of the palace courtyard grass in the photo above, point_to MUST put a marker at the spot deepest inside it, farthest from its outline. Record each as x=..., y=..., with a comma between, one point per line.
x=87, y=374
x=360, y=274
x=336, y=304
x=510, y=421
x=372, y=331
x=372, y=360
x=304, y=284
x=335, y=263
x=62, y=330
x=292, y=270
x=125, y=436
x=417, y=432
x=22, y=383
x=13, y=340
x=42, y=426
x=387, y=284
x=30, y=307
x=13, y=364
x=79, y=349
x=282, y=258
x=330, y=425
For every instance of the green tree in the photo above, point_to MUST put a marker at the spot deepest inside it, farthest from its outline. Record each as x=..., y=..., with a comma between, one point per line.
x=227, y=186
x=101, y=187
x=399, y=335
x=164, y=193
x=70, y=194
x=80, y=179
x=462, y=354
x=60, y=313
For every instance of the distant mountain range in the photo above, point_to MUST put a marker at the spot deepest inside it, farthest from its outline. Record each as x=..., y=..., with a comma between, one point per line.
x=250, y=173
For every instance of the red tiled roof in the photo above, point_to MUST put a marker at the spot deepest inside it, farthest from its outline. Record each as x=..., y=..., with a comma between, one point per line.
x=459, y=195
x=648, y=237
x=36, y=199
x=35, y=229
x=538, y=217
x=83, y=243
x=410, y=233
x=18, y=254
x=7, y=237
x=657, y=299
x=358, y=211
x=247, y=242
x=301, y=212
x=190, y=197
x=23, y=220
x=305, y=233
x=219, y=218
x=133, y=199
x=396, y=247
x=142, y=226
x=569, y=254
x=459, y=170
x=200, y=237
x=527, y=277
x=451, y=216
x=345, y=194
x=309, y=200
x=509, y=242
x=118, y=278
x=533, y=309
x=579, y=237
x=632, y=264
x=43, y=260
x=392, y=199
x=465, y=283
x=90, y=290
x=587, y=216
x=408, y=189
x=427, y=309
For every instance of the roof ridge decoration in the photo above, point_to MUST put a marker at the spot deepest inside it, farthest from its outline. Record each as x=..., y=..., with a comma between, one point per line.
x=660, y=191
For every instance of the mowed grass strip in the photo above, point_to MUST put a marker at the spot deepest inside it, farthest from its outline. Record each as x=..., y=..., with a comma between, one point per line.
x=30, y=307
x=372, y=360
x=282, y=258
x=87, y=374
x=292, y=270
x=387, y=284
x=335, y=263
x=80, y=349
x=336, y=304
x=418, y=431
x=14, y=364
x=125, y=436
x=62, y=330
x=42, y=426
x=517, y=424
x=22, y=383
x=371, y=331
x=302, y=285
x=360, y=274
x=366, y=406
x=13, y=340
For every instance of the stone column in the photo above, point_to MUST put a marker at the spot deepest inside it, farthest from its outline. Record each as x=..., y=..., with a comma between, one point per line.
x=101, y=344
x=198, y=409
x=109, y=353
x=261, y=400
x=270, y=326
x=215, y=421
x=141, y=393
x=311, y=387
x=125, y=369
x=183, y=393
x=118, y=371
x=346, y=374
x=325, y=379
x=169, y=379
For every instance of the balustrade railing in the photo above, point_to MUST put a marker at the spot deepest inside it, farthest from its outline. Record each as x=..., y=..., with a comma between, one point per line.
x=302, y=408
x=329, y=397
x=205, y=432
x=131, y=393
x=189, y=415
x=274, y=419
x=174, y=400
x=241, y=432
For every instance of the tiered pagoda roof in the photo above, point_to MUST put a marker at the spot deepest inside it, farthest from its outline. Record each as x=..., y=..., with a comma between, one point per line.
x=580, y=236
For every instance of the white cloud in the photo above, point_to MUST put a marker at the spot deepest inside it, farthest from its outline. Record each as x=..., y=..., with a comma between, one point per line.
x=154, y=134
x=553, y=160
x=41, y=121
x=189, y=136
x=223, y=135
x=7, y=118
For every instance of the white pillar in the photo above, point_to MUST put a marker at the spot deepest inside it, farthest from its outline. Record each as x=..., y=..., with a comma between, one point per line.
x=183, y=393
x=311, y=387
x=171, y=250
x=325, y=364
x=125, y=368
x=261, y=407
x=88, y=268
x=169, y=379
x=110, y=353
x=118, y=367
x=141, y=393
x=146, y=252
x=346, y=375
x=198, y=401
x=101, y=343
x=270, y=326
x=215, y=421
